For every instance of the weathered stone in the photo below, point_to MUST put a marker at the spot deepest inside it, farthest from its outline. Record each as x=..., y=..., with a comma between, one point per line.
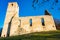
x=21, y=25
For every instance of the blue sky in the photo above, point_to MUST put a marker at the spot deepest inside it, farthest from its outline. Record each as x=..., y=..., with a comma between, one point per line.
x=26, y=8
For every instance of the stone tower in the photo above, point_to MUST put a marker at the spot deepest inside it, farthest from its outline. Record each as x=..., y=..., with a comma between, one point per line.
x=12, y=14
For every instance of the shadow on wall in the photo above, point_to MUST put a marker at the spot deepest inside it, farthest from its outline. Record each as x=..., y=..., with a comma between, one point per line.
x=57, y=23
x=0, y=31
x=9, y=26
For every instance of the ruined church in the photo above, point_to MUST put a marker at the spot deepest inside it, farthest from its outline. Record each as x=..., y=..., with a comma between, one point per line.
x=15, y=25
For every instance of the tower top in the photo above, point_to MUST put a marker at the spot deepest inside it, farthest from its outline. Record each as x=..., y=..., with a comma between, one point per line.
x=13, y=8
x=12, y=4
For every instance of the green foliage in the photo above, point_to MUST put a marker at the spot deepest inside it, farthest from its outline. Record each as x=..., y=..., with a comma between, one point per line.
x=51, y=35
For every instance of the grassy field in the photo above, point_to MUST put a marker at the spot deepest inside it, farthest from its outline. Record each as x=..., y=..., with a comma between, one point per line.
x=51, y=35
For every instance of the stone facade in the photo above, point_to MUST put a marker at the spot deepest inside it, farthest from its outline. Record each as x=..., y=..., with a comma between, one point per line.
x=15, y=25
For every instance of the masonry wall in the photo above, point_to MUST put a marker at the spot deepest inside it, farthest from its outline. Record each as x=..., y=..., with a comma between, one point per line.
x=23, y=25
x=37, y=24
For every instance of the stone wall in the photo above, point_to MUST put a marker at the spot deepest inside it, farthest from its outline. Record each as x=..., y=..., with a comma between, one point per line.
x=37, y=23
x=23, y=25
x=15, y=25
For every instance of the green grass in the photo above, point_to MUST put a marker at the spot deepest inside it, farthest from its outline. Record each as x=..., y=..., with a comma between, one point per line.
x=50, y=35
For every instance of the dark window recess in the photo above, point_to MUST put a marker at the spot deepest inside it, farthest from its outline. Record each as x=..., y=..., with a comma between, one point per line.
x=30, y=22
x=12, y=4
x=43, y=23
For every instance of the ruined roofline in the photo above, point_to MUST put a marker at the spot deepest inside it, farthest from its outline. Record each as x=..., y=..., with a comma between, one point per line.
x=47, y=13
x=35, y=16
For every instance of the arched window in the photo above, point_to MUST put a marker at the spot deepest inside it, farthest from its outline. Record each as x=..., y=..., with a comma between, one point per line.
x=42, y=20
x=30, y=22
